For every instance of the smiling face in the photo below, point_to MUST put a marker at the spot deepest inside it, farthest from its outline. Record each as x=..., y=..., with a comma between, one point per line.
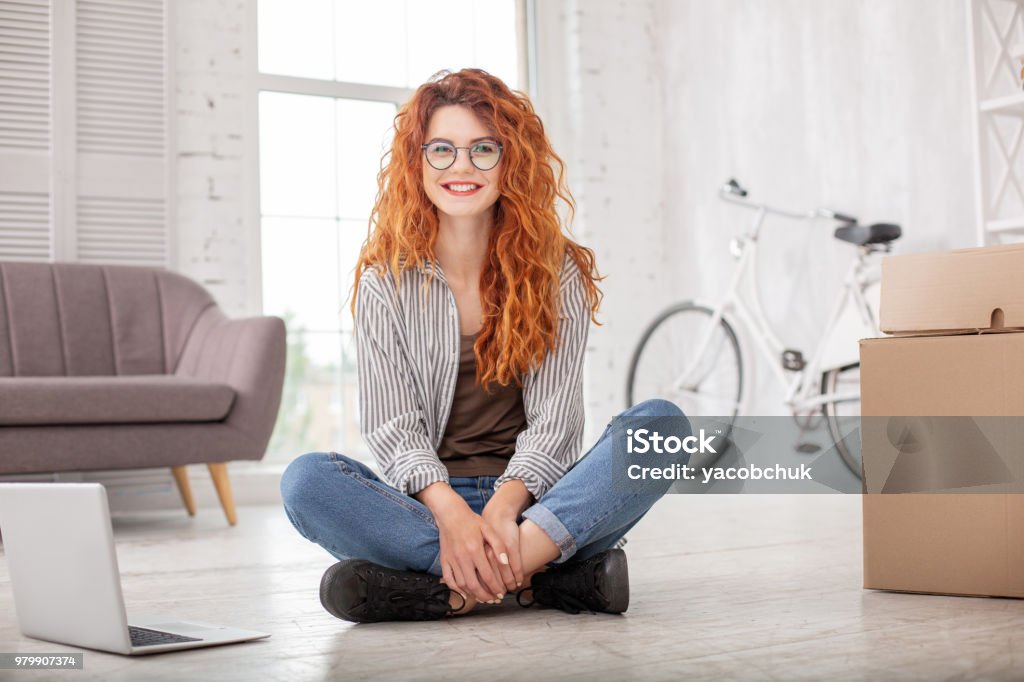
x=461, y=190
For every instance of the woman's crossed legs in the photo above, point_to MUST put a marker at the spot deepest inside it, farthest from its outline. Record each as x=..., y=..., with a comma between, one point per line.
x=343, y=506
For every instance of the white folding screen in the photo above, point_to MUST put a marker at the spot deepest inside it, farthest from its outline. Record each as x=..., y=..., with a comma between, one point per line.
x=25, y=63
x=85, y=131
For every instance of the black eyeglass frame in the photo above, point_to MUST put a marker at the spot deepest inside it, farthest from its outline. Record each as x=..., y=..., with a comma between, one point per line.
x=455, y=157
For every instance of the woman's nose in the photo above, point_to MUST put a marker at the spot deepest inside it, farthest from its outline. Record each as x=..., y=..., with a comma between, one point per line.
x=462, y=161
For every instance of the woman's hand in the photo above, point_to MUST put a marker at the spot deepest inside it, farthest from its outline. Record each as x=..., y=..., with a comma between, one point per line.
x=464, y=562
x=500, y=514
x=463, y=537
x=508, y=565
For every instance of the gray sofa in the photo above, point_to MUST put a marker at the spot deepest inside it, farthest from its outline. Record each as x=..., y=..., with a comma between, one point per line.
x=117, y=367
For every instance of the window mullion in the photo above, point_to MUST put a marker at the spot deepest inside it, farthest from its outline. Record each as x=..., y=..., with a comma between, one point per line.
x=336, y=89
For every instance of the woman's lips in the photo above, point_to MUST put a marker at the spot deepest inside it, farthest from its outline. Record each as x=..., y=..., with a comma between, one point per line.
x=448, y=188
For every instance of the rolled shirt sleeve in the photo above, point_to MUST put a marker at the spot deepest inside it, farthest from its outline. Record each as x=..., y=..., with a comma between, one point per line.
x=391, y=420
x=553, y=397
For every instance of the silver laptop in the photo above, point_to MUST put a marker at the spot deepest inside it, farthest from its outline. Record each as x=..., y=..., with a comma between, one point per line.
x=60, y=553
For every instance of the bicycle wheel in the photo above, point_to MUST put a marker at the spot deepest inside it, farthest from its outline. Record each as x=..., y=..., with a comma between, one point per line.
x=666, y=352
x=843, y=380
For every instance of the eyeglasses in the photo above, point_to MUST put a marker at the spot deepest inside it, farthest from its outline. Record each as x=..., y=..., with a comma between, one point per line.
x=484, y=154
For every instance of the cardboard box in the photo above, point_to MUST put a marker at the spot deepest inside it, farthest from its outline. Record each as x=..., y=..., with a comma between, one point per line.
x=961, y=291
x=940, y=366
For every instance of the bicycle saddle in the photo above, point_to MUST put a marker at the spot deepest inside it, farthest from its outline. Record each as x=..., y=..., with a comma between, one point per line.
x=879, y=233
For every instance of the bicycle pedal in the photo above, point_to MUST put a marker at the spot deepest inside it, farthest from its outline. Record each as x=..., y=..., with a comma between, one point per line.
x=793, y=360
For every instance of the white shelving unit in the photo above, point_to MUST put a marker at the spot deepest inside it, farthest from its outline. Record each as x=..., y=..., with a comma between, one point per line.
x=996, y=37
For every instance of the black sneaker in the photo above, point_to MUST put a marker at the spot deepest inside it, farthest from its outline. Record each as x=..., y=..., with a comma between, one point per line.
x=364, y=592
x=600, y=583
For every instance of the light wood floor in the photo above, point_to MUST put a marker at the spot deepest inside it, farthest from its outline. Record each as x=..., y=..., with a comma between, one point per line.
x=724, y=587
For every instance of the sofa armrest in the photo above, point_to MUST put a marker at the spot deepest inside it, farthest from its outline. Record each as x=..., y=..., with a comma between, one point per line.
x=249, y=356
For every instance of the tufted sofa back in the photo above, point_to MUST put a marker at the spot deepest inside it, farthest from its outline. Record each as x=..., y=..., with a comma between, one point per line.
x=72, y=319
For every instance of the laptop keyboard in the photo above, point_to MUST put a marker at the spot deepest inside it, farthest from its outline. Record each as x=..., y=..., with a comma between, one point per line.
x=146, y=637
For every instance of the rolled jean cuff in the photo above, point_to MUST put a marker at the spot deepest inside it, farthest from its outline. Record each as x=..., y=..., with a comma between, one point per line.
x=555, y=529
x=435, y=568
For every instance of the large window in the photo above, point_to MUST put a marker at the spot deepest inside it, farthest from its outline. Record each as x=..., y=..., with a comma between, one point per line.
x=332, y=74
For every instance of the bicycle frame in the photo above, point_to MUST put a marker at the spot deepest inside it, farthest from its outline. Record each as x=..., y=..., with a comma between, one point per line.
x=802, y=387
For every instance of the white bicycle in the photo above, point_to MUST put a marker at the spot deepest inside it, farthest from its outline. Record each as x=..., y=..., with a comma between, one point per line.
x=691, y=354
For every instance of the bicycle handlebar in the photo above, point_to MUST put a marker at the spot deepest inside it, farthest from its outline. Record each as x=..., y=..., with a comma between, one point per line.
x=843, y=218
x=732, y=192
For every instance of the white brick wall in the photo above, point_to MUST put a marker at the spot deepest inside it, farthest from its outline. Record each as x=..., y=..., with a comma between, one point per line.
x=600, y=96
x=213, y=241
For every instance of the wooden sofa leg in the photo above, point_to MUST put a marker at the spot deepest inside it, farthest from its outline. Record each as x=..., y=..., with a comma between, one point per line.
x=219, y=472
x=181, y=478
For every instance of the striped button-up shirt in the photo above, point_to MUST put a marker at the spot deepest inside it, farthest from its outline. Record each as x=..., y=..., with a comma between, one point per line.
x=408, y=362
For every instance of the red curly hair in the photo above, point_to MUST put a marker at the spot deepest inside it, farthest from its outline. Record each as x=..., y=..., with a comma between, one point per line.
x=519, y=287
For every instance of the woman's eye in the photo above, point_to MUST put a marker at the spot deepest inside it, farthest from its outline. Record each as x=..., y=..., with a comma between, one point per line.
x=441, y=149
x=485, y=148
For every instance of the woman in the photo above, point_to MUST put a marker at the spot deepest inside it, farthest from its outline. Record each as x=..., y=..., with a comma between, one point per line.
x=471, y=318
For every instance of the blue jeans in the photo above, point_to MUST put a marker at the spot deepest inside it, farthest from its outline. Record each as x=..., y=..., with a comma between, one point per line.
x=344, y=507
